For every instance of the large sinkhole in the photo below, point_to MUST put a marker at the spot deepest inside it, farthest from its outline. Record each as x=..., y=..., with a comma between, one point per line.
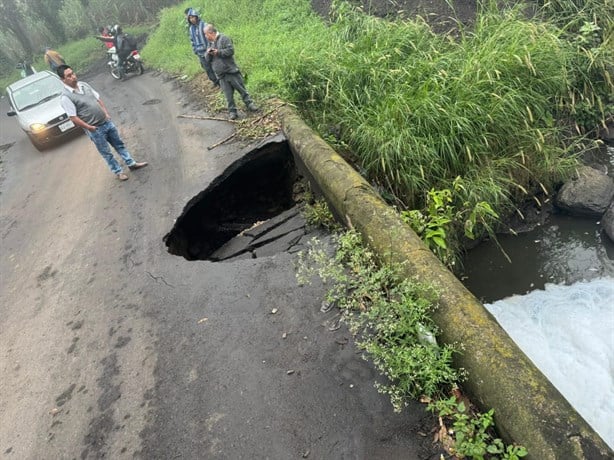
x=250, y=210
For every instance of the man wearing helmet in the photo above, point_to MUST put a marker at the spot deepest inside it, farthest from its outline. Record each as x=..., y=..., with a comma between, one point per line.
x=199, y=42
x=123, y=47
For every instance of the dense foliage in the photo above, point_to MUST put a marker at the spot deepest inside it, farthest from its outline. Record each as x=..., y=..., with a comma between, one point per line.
x=416, y=110
x=26, y=27
x=489, y=107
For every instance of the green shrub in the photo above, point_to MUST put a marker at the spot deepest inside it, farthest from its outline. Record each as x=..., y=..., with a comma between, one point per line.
x=473, y=433
x=440, y=224
x=390, y=317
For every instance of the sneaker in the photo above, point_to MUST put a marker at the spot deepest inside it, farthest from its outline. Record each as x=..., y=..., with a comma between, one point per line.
x=233, y=116
x=140, y=165
x=121, y=176
x=252, y=107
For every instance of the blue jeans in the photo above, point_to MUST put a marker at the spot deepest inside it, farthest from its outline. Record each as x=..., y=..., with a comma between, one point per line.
x=104, y=135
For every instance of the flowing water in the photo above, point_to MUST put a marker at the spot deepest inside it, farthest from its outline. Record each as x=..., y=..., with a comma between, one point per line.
x=556, y=300
x=567, y=332
x=563, y=251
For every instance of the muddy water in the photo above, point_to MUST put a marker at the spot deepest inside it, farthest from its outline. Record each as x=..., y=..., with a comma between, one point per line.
x=563, y=251
x=556, y=301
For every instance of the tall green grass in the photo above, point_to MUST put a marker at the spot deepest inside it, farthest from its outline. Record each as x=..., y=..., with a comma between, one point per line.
x=268, y=35
x=418, y=109
x=413, y=109
x=589, y=26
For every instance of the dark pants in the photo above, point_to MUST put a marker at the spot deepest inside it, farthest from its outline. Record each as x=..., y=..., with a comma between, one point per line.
x=229, y=83
x=121, y=61
x=207, y=67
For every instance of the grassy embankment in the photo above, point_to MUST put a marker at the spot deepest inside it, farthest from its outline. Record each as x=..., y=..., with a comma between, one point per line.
x=473, y=120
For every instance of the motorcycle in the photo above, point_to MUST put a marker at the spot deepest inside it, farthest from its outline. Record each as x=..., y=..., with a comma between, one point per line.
x=132, y=64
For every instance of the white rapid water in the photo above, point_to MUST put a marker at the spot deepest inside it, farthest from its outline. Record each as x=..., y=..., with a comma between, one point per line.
x=568, y=332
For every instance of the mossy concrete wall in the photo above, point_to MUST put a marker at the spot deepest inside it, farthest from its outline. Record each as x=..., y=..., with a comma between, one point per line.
x=528, y=409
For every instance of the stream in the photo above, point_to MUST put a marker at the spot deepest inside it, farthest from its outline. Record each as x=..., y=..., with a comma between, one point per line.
x=565, y=250
x=556, y=301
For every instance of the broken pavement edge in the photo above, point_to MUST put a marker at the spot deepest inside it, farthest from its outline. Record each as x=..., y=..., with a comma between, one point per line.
x=529, y=410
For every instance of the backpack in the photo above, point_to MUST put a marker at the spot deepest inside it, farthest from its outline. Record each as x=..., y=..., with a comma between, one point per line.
x=128, y=43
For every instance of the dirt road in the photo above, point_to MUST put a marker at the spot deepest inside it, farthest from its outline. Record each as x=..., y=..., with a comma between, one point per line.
x=111, y=347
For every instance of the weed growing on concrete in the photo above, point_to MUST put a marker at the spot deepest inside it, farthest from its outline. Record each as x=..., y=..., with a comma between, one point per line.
x=389, y=316
x=317, y=213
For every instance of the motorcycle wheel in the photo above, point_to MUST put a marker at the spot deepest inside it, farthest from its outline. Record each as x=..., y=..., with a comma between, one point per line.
x=139, y=68
x=116, y=73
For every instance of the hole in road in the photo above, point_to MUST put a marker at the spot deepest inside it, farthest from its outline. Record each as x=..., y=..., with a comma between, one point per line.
x=249, y=211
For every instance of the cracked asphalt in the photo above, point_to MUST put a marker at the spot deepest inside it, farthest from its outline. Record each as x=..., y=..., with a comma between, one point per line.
x=112, y=347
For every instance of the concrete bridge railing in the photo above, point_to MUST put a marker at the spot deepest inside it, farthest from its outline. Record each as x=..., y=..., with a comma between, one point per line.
x=529, y=410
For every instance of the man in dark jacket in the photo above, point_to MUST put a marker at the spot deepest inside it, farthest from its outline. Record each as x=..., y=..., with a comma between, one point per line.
x=221, y=56
x=199, y=42
x=123, y=43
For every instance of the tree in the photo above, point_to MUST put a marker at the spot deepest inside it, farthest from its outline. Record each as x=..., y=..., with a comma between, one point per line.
x=13, y=18
x=48, y=12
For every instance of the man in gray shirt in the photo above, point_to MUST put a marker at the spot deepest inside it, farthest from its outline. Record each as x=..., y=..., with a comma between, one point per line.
x=85, y=108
